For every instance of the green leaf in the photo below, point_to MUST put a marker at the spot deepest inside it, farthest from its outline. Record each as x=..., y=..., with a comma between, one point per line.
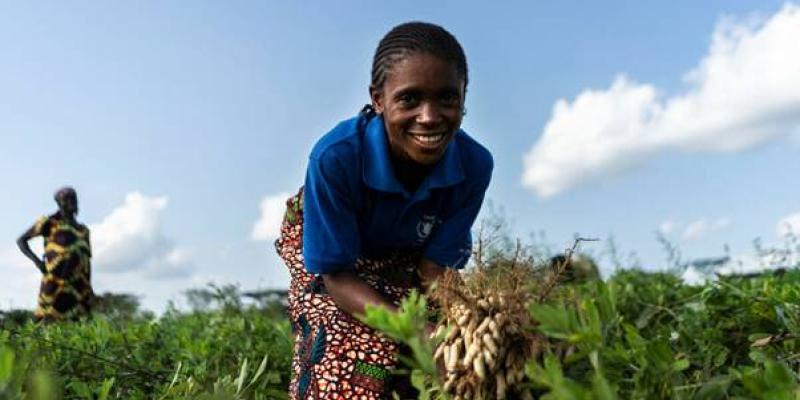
x=419, y=381
x=6, y=365
x=261, y=368
x=680, y=365
x=105, y=389
x=81, y=389
x=242, y=376
x=758, y=356
x=778, y=374
x=555, y=321
x=601, y=388
x=714, y=389
x=757, y=336
x=644, y=318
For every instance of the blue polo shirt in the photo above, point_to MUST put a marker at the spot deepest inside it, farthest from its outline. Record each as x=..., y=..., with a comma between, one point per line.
x=354, y=206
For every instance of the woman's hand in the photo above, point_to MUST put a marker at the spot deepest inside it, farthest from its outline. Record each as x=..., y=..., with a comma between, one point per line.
x=41, y=265
x=429, y=272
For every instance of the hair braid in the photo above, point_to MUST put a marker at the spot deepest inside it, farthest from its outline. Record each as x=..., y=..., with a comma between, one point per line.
x=416, y=37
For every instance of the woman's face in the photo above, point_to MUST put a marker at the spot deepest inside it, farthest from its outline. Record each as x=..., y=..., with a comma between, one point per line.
x=421, y=102
x=69, y=205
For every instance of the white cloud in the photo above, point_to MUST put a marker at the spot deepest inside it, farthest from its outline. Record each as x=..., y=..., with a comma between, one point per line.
x=695, y=229
x=789, y=224
x=667, y=227
x=268, y=225
x=694, y=277
x=20, y=278
x=175, y=264
x=775, y=254
x=600, y=132
x=131, y=238
x=702, y=227
x=744, y=92
x=748, y=263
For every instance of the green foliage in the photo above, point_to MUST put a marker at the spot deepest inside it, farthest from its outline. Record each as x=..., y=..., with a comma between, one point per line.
x=648, y=336
x=227, y=354
x=117, y=305
x=407, y=326
x=637, y=335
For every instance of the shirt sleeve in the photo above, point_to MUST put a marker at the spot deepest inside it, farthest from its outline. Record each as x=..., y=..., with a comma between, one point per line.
x=41, y=227
x=451, y=243
x=331, y=240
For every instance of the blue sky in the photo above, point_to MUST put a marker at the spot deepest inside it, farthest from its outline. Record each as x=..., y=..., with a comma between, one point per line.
x=176, y=121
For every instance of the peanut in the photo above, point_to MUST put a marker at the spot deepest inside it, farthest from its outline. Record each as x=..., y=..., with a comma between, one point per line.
x=500, y=384
x=478, y=367
x=489, y=343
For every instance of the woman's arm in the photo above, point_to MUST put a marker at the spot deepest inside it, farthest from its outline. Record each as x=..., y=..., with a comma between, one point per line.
x=22, y=242
x=352, y=294
x=429, y=272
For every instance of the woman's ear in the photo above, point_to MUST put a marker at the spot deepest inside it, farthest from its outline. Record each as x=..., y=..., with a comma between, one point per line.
x=376, y=96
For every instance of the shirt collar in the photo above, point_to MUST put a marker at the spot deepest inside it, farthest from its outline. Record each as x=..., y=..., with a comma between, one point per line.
x=379, y=174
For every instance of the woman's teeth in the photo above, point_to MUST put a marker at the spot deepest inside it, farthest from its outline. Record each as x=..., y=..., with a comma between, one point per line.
x=429, y=139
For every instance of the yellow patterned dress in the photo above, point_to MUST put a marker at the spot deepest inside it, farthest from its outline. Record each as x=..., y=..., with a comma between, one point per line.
x=66, y=290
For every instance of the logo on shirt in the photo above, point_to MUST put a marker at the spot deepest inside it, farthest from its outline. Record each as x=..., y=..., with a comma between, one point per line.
x=425, y=227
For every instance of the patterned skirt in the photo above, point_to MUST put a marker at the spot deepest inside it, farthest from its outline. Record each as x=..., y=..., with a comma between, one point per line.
x=335, y=355
x=66, y=298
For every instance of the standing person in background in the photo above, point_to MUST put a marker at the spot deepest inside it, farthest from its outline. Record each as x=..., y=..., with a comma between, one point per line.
x=66, y=290
x=389, y=200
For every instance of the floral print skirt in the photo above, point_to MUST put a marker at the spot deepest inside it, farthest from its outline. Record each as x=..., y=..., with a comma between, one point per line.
x=335, y=355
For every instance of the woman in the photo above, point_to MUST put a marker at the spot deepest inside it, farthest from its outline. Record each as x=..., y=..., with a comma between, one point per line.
x=66, y=290
x=388, y=203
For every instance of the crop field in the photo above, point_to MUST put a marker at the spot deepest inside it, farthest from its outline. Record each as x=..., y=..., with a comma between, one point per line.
x=231, y=352
x=508, y=329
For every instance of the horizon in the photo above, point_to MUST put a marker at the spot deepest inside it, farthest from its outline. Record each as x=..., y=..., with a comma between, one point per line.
x=184, y=129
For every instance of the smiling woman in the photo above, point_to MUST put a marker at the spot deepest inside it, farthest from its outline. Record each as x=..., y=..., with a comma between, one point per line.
x=389, y=200
x=421, y=103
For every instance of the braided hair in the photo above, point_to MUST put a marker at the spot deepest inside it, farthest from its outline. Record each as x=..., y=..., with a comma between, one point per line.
x=64, y=193
x=416, y=37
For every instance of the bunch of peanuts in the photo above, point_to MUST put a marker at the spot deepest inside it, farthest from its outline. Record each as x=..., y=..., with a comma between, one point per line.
x=483, y=352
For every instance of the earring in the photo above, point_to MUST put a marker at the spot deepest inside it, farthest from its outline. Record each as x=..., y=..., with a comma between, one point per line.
x=464, y=111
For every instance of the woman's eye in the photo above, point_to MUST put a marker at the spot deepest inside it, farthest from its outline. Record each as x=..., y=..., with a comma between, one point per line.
x=449, y=99
x=407, y=99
